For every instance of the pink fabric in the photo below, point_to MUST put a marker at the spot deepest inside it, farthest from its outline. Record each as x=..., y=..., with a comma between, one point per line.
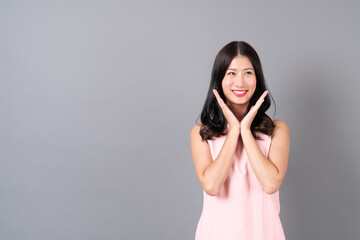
x=241, y=210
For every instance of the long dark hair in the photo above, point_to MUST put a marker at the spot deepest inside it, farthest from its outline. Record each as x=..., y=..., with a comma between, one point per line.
x=212, y=118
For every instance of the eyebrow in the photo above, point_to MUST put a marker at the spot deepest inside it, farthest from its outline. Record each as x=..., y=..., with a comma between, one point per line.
x=237, y=69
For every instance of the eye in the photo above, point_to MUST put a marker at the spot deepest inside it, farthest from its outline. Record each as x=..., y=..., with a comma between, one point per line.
x=248, y=72
x=231, y=73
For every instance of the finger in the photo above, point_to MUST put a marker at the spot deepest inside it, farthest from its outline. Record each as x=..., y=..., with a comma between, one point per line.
x=224, y=107
x=261, y=99
x=219, y=99
x=264, y=94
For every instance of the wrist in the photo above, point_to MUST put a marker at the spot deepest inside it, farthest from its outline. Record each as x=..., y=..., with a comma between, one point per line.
x=245, y=130
x=234, y=131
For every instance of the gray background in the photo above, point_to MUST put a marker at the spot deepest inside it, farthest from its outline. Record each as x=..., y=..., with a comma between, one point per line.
x=98, y=98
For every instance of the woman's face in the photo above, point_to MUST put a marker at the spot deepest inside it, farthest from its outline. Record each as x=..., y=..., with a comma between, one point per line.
x=239, y=77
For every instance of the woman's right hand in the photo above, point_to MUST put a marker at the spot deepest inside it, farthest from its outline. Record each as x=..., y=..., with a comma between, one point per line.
x=234, y=123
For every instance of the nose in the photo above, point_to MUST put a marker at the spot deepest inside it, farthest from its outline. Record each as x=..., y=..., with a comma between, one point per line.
x=240, y=81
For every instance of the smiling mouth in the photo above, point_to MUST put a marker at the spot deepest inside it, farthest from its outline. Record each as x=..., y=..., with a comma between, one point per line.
x=239, y=93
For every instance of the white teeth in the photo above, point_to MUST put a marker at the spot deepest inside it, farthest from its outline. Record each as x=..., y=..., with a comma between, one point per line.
x=239, y=92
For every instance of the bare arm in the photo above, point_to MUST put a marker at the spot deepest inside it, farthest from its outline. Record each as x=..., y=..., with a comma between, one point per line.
x=212, y=173
x=269, y=171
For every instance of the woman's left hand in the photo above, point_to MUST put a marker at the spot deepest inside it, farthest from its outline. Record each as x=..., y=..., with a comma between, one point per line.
x=247, y=120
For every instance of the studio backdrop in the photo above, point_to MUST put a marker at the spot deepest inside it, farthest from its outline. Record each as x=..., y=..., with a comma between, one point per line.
x=98, y=98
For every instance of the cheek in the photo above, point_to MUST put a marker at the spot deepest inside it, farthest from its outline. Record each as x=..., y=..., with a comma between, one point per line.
x=227, y=82
x=252, y=83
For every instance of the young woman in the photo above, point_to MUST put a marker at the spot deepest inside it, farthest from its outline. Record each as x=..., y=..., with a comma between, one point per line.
x=240, y=154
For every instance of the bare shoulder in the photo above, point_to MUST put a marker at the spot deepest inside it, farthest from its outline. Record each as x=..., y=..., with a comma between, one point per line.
x=196, y=128
x=280, y=123
x=195, y=132
x=281, y=128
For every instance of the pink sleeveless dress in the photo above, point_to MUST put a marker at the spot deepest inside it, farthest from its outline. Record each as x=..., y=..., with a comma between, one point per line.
x=242, y=209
